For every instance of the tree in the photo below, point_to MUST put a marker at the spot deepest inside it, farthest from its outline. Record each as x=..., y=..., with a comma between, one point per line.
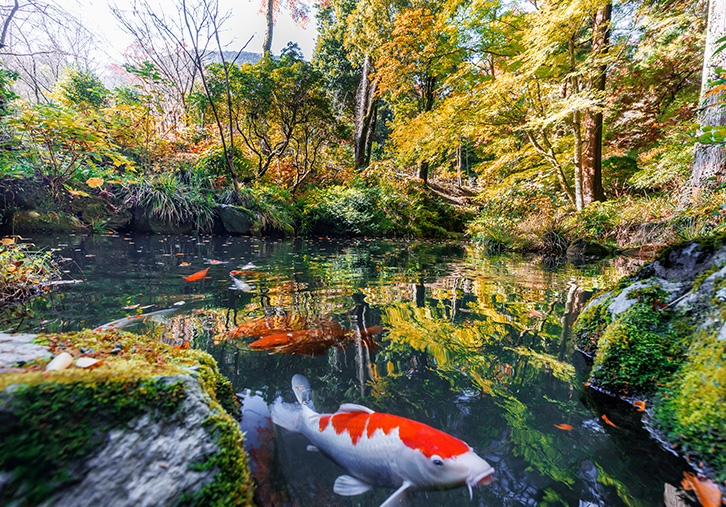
x=298, y=10
x=709, y=159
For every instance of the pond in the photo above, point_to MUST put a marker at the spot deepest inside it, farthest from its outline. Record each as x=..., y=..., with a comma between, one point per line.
x=474, y=345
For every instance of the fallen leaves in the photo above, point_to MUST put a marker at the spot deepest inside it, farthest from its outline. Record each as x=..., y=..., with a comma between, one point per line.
x=94, y=182
x=707, y=491
x=608, y=421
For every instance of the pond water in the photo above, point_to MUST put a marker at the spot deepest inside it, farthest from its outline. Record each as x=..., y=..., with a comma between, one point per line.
x=477, y=346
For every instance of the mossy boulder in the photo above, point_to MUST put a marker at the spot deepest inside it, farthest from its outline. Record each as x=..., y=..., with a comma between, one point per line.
x=661, y=334
x=150, y=424
x=235, y=219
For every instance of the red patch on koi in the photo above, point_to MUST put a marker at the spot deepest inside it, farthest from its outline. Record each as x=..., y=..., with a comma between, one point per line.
x=427, y=440
x=352, y=422
x=323, y=423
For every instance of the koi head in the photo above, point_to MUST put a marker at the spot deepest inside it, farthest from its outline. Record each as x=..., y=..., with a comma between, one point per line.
x=437, y=472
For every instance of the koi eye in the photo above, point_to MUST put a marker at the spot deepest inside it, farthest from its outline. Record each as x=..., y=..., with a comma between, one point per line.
x=436, y=460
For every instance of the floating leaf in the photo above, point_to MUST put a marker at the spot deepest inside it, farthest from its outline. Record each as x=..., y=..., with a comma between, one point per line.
x=707, y=491
x=77, y=192
x=8, y=241
x=94, y=182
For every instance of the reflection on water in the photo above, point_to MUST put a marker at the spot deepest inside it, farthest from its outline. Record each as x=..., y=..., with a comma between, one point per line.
x=477, y=346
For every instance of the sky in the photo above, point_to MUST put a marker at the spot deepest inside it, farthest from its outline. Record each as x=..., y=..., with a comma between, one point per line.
x=246, y=21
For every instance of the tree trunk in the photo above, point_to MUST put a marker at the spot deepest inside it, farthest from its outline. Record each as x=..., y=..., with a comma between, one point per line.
x=592, y=118
x=365, y=117
x=709, y=160
x=270, y=25
x=423, y=171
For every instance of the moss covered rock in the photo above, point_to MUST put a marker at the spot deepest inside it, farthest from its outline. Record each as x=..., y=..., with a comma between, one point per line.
x=661, y=333
x=147, y=425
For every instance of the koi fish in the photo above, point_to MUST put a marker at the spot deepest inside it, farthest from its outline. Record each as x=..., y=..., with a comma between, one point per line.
x=196, y=276
x=381, y=449
x=240, y=285
x=280, y=324
x=314, y=342
x=135, y=319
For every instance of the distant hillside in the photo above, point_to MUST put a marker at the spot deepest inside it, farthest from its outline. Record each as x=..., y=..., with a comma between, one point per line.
x=229, y=56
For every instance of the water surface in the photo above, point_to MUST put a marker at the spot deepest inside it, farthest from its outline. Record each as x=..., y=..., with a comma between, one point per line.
x=477, y=346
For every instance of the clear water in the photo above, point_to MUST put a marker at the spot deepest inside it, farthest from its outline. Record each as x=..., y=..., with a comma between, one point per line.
x=477, y=346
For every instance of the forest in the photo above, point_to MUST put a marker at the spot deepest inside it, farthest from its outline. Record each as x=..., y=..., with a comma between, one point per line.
x=525, y=125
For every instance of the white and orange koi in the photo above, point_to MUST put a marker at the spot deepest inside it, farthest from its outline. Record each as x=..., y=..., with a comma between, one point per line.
x=381, y=449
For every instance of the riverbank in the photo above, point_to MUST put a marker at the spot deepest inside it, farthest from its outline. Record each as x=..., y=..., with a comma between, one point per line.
x=658, y=339
x=118, y=419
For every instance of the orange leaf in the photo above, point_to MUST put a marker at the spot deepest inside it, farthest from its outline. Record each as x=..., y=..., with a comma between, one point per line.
x=565, y=427
x=605, y=418
x=77, y=192
x=707, y=491
x=94, y=182
x=639, y=405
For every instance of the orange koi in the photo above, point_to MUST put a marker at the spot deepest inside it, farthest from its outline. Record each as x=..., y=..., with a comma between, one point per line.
x=639, y=405
x=199, y=275
x=565, y=427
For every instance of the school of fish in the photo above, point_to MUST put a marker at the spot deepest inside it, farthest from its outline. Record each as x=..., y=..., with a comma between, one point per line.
x=381, y=449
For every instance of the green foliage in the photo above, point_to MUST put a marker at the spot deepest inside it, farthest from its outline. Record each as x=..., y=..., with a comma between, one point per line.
x=271, y=208
x=63, y=142
x=346, y=211
x=81, y=90
x=7, y=95
x=22, y=271
x=640, y=350
x=170, y=200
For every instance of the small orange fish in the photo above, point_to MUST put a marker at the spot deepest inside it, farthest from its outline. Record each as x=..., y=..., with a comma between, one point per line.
x=197, y=276
x=607, y=420
x=242, y=272
x=184, y=264
x=565, y=427
x=212, y=261
x=639, y=405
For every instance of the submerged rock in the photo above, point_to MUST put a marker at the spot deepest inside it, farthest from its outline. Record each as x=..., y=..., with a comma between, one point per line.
x=661, y=333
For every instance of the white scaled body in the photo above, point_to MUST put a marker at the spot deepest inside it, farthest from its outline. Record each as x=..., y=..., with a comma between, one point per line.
x=382, y=449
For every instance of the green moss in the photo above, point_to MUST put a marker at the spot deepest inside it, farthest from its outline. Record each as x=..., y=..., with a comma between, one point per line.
x=48, y=421
x=640, y=350
x=590, y=325
x=692, y=410
x=44, y=426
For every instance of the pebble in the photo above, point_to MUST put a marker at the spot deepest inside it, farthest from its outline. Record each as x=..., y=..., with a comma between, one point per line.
x=60, y=362
x=115, y=351
x=85, y=362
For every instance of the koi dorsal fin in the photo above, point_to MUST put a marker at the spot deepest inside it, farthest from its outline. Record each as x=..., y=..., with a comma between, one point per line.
x=353, y=407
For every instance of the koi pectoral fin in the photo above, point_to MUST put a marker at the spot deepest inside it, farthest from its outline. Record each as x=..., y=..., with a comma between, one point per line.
x=398, y=497
x=345, y=485
x=312, y=448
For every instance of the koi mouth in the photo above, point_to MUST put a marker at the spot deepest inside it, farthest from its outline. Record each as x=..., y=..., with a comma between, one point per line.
x=480, y=480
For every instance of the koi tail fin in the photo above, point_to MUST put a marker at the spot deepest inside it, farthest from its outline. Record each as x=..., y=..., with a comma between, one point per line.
x=288, y=415
x=303, y=393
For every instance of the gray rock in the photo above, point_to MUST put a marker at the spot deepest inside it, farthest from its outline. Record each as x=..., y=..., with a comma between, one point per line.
x=19, y=348
x=235, y=220
x=148, y=463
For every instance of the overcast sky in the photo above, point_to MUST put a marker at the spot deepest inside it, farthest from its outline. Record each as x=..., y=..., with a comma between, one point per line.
x=246, y=21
